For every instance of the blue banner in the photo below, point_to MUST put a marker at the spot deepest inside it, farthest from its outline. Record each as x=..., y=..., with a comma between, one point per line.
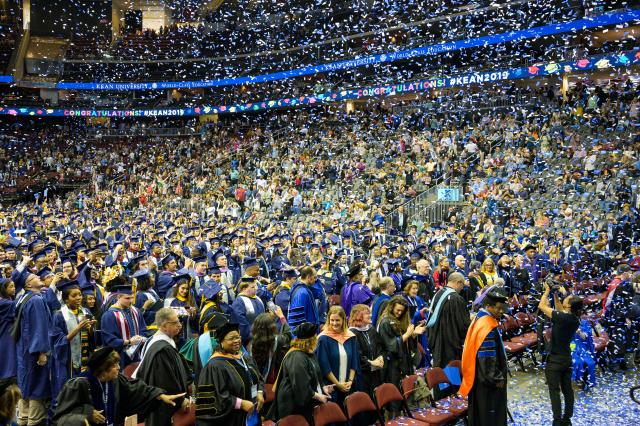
x=6, y=79
x=512, y=36
x=540, y=70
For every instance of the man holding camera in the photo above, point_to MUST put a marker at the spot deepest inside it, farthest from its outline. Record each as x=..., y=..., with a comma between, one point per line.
x=565, y=320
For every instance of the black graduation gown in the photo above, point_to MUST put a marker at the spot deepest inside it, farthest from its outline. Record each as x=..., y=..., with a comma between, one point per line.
x=222, y=381
x=164, y=367
x=397, y=354
x=370, y=348
x=299, y=378
x=81, y=395
x=447, y=335
x=488, y=403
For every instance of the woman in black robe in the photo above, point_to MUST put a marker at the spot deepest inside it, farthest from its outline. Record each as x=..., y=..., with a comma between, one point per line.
x=103, y=395
x=229, y=388
x=399, y=341
x=298, y=387
x=370, y=347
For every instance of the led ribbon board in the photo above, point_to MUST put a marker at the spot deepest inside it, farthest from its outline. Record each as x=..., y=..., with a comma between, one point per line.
x=612, y=18
x=601, y=62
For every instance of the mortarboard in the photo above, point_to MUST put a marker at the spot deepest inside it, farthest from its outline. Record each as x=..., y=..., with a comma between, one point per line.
x=67, y=285
x=168, y=258
x=44, y=272
x=248, y=262
x=210, y=289
x=214, y=271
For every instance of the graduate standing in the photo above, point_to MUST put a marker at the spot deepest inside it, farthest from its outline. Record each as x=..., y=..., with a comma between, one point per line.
x=355, y=292
x=101, y=395
x=302, y=304
x=163, y=366
x=298, y=387
x=123, y=327
x=32, y=348
x=338, y=354
x=484, y=364
x=71, y=337
x=229, y=387
x=247, y=307
x=448, y=322
x=7, y=318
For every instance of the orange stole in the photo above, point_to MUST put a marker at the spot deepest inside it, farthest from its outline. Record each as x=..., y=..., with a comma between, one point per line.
x=478, y=331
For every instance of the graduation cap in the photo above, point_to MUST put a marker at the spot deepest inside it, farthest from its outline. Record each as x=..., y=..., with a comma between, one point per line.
x=168, y=258
x=529, y=247
x=248, y=279
x=496, y=294
x=102, y=248
x=44, y=272
x=124, y=288
x=68, y=285
x=33, y=244
x=214, y=270
x=135, y=238
x=88, y=289
x=70, y=257
x=135, y=261
x=217, y=320
x=306, y=330
x=355, y=269
x=99, y=357
x=154, y=243
x=249, y=262
x=181, y=277
x=222, y=331
x=142, y=275
x=14, y=243
x=290, y=273
x=210, y=289
x=406, y=278
x=40, y=255
x=200, y=259
x=219, y=253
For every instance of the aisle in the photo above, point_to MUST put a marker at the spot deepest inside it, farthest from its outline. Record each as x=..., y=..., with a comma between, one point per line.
x=608, y=404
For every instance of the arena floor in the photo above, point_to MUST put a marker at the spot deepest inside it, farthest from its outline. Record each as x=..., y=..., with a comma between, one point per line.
x=607, y=404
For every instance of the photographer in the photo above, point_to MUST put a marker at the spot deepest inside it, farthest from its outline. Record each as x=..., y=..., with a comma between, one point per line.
x=565, y=320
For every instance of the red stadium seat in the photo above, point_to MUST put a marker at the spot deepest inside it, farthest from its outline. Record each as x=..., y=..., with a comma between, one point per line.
x=293, y=420
x=328, y=413
x=387, y=393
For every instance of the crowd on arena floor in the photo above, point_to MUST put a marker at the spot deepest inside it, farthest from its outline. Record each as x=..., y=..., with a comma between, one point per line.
x=302, y=228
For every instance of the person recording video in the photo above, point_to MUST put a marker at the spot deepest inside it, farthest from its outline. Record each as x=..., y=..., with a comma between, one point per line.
x=565, y=320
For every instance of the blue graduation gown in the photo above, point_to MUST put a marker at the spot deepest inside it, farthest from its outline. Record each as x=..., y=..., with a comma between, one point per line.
x=328, y=356
x=376, y=310
x=302, y=306
x=164, y=283
x=322, y=304
x=51, y=299
x=8, y=345
x=282, y=299
x=141, y=298
x=584, y=354
x=244, y=318
x=112, y=336
x=33, y=380
x=61, y=364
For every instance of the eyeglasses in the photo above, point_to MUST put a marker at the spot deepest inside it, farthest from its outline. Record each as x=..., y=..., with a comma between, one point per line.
x=176, y=322
x=232, y=338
